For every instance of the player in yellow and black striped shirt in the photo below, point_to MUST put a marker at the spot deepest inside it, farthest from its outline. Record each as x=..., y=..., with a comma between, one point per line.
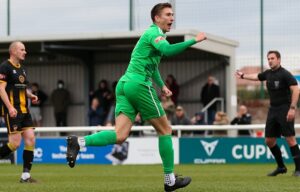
x=14, y=95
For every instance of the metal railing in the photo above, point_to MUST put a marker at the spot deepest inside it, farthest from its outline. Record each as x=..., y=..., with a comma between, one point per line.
x=212, y=102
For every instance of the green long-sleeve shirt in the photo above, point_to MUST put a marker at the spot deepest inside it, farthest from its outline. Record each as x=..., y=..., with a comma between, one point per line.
x=147, y=54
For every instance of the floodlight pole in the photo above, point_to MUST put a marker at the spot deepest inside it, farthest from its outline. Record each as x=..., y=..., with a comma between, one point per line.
x=131, y=15
x=262, y=92
x=8, y=17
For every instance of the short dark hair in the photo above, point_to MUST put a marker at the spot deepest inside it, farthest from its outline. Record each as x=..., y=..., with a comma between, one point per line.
x=158, y=8
x=60, y=82
x=35, y=84
x=275, y=52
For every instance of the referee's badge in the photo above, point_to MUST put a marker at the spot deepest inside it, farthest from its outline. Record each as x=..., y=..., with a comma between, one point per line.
x=21, y=78
x=276, y=84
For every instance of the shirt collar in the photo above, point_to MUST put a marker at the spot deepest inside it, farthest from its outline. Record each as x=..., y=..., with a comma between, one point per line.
x=159, y=29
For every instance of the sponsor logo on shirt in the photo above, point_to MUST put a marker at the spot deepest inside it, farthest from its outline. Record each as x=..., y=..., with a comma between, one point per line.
x=276, y=83
x=159, y=38
x=21, y=78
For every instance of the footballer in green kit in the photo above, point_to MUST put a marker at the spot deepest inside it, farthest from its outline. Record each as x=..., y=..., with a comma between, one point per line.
x=135, y=94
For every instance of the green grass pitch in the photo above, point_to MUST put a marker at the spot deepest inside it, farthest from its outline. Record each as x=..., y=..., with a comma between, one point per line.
x=146, y=178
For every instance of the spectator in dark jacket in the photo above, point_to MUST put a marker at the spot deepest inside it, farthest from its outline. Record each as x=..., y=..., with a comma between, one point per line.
x=36, y=108
x=198, y=119
x=96, y=113
x=242, y=118
x=171, y=83
x=104, y=95
x=210, y=91
x=60, y=99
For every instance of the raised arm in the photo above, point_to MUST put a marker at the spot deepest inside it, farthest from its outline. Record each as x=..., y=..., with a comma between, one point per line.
x=167, y=49
x=241, y=75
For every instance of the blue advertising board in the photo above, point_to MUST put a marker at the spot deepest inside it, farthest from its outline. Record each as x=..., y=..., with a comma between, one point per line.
x=298, y=79
x=229, y=150
x=53, y=150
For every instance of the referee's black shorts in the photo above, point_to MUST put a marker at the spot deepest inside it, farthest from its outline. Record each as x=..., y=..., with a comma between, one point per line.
x=277, y=124
x=18, y=124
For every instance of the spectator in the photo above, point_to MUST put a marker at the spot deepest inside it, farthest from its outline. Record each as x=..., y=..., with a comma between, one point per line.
x=36, y=108
x=168, y=106
x=242, y=118
x=96, y=113
x=198, y=119
x=171, y=83
x=110, y=119
x=60, y=99
x=220, y=119
x=210, y=91
x=138, y=122
x=104, y=96
x=180, y=118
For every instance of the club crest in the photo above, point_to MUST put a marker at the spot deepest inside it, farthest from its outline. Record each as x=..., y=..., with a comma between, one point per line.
x=276, y=84
x=21, y=78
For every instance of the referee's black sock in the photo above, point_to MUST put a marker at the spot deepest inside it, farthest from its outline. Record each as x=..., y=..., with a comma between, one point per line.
x=278, y=156
x=296, y=156
x=5, y=151
x=27, y=160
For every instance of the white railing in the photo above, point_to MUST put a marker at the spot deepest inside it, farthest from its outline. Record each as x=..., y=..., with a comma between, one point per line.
x=178, y=128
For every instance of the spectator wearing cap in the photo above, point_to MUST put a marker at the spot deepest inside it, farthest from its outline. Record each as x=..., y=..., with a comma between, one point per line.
x=180, y=118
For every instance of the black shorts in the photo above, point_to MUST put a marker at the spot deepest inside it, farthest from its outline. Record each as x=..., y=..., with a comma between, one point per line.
x=277, y=124
x=18, y=124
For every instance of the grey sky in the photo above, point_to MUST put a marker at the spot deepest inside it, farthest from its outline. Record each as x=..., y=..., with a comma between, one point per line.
x=233, y=19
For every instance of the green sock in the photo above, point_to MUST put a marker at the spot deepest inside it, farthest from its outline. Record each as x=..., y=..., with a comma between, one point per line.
x=166, y=153
x=101, y=138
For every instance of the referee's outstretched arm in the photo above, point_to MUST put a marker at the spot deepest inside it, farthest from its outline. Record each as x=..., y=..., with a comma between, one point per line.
x=241, y=75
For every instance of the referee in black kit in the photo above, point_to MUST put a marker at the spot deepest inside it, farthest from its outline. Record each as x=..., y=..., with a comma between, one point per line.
x=284, y=94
